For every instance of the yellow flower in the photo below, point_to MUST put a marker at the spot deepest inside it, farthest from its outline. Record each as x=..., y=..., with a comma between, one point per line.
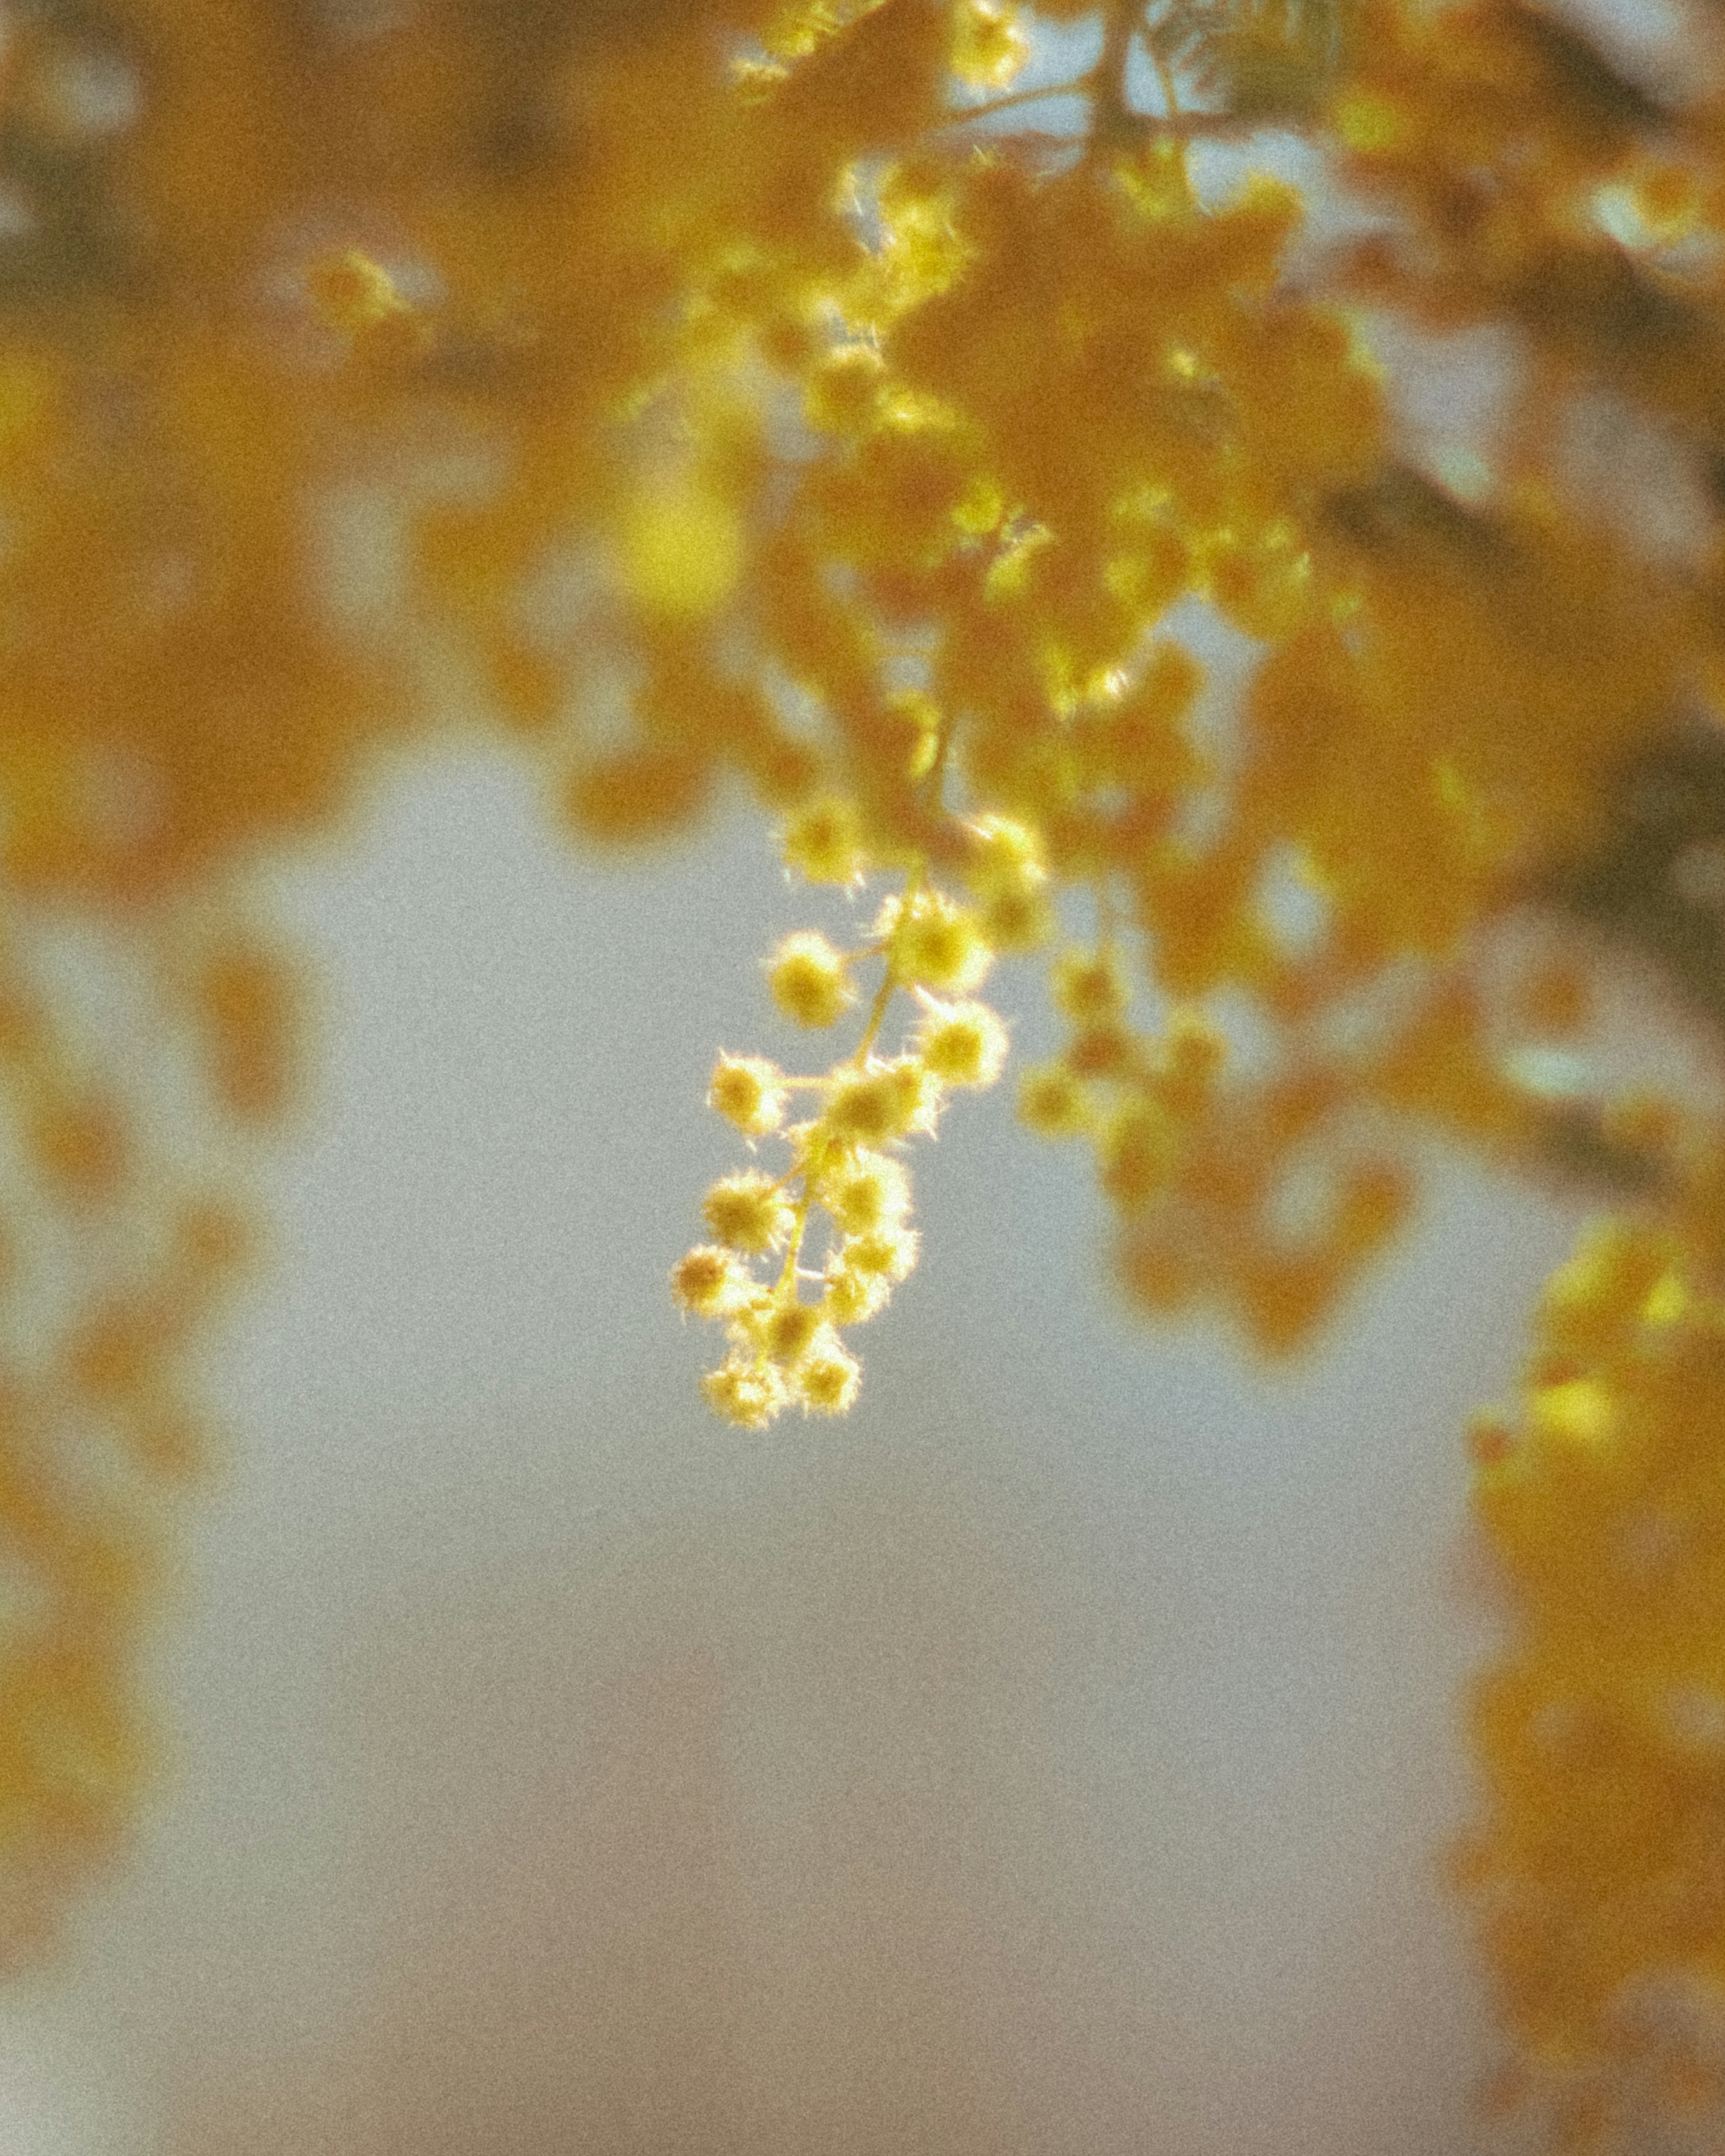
x=784, y=1329
x=709, y=1282
x=680, y=551
x=810, y=980
x=961, y=1044
x=864, y=1191
x=747, y=1394
x=988, y=48
x=887, y=1254
x=748, y=1213
x=882, y=1101
x=827, y=1379
x=352, y=292
x=1052, y=1102
x=749, y=1091
x=824, y=840
x=932, y=942
x=1139, y=1150
x=850, y=1296
x=1089, y=987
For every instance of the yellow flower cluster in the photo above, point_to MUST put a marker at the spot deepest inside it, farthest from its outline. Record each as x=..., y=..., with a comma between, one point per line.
x=114, y=1253
x=768, y=388
x=1596, y=1869
x=846, y=1172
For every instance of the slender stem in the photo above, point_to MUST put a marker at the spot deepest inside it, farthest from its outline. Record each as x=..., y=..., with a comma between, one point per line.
x=1128, y=126
x=883, y=994
x=787, y=1271
x=1165, y=75
x=1080, y=85
x=1113, y=117
x=877, y=1014
x=1114, y=123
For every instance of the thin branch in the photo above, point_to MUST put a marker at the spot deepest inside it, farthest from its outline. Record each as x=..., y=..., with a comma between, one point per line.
x=1080, y=85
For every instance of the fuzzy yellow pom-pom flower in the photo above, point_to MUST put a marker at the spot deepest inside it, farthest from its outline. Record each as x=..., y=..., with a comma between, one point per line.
x=1005, y=855
x=866, y=1190
x=888, y=1254
x=962, y=1043
x=845, y=1183
x=748, y=1212
x=824, y=841
x=708, y=1280
x=988, y=48
x=810, y=980
x=352, y=292
x=828, y=1378
x=748, y=1394
x=749, y=1091
x=882, y=1101
x=1006, y=873
x=850, y=1297
x=1140, y=1147
x=933, y=943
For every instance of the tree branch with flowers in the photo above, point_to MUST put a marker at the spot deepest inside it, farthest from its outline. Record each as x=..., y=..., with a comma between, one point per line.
x=796, y=382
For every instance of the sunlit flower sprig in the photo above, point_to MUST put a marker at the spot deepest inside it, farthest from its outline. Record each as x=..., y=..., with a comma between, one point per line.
x=846, y=1182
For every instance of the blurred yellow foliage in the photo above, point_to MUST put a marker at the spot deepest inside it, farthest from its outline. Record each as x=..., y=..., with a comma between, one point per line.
x=918, y=446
